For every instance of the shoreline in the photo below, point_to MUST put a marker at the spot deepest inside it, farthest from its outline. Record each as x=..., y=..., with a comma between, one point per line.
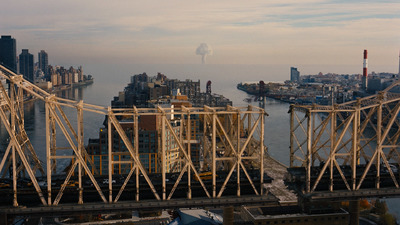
x=70, y=86
x=57, y=89
x=272, y=96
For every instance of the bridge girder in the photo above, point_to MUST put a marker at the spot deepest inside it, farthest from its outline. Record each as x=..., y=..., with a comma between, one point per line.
x=236, y=128
x=362, y=134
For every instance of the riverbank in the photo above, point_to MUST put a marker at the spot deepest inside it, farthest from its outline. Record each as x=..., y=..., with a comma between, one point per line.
x=70, y=86
x=55, y=90
x=287, y=98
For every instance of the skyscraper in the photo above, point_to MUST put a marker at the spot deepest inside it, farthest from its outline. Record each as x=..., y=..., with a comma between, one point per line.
x=8, y=52
x=294, y=74
x=44, y=63
x=26, y=64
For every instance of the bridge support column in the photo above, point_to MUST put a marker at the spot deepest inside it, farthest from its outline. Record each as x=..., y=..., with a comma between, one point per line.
x=80, y=201
x=354, y=211
x=228, y=215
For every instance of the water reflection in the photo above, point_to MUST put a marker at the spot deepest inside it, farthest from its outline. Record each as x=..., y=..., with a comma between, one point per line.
x=277, y=123
x=34, y=120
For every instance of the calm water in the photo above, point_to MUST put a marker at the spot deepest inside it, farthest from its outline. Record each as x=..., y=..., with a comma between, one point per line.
x=109, y=80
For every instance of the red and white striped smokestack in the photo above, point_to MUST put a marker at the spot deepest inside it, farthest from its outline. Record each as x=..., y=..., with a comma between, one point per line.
x=365, y=67
x=365, y=72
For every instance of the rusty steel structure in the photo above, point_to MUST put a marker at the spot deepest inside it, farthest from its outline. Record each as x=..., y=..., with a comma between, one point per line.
x=239, y=132
x=347, y=143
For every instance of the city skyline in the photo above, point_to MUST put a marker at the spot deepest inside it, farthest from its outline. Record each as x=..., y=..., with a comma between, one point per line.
x=313, y=32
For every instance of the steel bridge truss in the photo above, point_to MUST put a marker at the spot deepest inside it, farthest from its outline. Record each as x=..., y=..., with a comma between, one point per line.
x=361, y=135
x=231, y=130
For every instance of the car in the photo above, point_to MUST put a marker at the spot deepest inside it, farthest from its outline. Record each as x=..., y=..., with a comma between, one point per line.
x=42, y=183
x=392, y=167
x=105, y=181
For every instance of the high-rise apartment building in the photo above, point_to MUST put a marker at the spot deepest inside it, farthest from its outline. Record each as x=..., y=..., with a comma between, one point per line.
x=149, y=146
x=294, y=74
x=26, y=65
x=8, y=52
x=44, y=63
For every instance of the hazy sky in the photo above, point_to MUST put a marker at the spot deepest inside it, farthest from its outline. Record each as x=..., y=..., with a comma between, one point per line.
x=306, y=32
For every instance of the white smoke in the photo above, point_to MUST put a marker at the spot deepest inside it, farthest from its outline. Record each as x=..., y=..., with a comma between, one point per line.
x=204, y=50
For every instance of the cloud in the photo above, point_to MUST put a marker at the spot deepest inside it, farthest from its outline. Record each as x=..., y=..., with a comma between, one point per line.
x=262, y=31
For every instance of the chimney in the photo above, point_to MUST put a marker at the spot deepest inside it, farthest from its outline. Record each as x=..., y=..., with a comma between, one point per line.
x=365, y=71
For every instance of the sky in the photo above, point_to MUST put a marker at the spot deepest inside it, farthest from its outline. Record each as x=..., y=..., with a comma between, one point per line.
x=274, y=32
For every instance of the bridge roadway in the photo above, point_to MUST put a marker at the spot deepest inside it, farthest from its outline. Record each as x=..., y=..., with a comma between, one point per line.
x=278, y=195
x=280, y=191
x=296, y=181
x=28, y=196
x=100, y=207
x=274, y=197
x=346, y=195
x=287, y=186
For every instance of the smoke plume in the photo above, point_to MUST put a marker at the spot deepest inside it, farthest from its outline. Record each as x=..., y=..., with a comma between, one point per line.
x=204, y=50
